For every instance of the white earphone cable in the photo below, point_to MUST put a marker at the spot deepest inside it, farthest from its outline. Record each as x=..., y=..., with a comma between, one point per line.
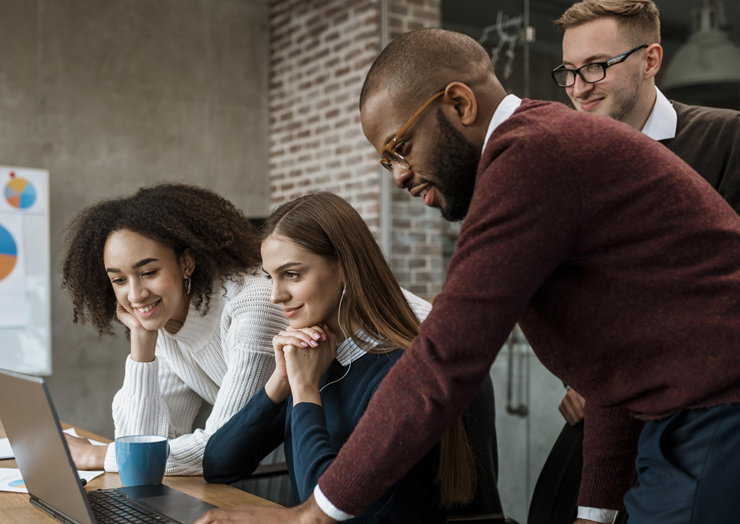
x=339, y=321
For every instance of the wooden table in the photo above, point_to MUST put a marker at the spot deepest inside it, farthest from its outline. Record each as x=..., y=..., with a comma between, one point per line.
x=15, y=508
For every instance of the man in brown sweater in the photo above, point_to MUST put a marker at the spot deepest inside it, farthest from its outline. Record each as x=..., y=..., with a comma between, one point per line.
x=621, y=264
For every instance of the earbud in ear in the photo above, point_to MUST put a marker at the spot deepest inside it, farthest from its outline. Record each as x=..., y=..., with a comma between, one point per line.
x=344, y=290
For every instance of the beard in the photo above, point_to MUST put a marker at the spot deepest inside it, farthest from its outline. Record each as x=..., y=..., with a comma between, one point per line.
x=626, y=99
x=456, y=167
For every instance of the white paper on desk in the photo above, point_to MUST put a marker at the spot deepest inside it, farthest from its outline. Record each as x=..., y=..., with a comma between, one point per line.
x=71, y=431
x=11, y=479
x=5, y=450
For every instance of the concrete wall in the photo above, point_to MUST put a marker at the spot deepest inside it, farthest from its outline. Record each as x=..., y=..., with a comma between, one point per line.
x=110, y=96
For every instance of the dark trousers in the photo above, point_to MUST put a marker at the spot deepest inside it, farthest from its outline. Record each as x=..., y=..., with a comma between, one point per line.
x=688, y=468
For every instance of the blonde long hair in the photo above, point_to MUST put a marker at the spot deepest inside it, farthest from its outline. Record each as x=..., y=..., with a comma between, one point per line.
x=327, y=225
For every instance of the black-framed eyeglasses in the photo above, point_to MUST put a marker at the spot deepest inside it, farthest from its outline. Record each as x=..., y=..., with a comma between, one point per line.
x=589, y=73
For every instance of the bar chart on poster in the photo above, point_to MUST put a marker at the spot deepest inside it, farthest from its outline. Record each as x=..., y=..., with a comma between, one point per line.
x=25, y=279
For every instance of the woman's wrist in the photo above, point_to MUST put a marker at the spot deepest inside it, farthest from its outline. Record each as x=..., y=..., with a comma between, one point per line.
x=100, y=453
x=143, y=345
x=306, y=393
x=95, y=457
x=277, y=388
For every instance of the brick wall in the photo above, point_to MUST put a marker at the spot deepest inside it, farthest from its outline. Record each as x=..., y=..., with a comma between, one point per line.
x=407, y=15
x=320, y=52
x=417, y=254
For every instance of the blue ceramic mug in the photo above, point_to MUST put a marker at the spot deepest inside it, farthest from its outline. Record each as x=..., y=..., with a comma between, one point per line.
x=141, y=459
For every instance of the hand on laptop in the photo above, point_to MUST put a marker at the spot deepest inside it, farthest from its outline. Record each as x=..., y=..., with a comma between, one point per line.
x=307, y=513
x=84, y=454
x=572, y=407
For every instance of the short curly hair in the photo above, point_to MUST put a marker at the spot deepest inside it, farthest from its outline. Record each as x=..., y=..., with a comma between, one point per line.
x=223, y=242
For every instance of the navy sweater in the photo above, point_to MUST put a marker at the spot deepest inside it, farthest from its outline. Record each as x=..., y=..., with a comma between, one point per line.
x=313, y=436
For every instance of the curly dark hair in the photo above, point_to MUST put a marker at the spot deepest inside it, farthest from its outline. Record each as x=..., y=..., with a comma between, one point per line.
x=223, y=242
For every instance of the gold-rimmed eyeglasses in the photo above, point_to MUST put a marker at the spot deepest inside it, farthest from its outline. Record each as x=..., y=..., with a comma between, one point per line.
x=388, y=154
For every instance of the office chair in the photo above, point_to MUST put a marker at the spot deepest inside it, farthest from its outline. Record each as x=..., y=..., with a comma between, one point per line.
x=269, y=470
x=480, y=425
x=270, y=480
x=555, y=497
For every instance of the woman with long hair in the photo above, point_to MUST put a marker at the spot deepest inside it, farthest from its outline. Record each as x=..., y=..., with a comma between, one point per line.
x=349, y=323
x=176, y=264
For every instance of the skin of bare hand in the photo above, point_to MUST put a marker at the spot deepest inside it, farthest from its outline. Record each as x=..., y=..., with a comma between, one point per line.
x=143, y=342
x=278, y=343
x=127, y=318
x=304, y=337
x=572, y=407
x=584, y=521
x=84, y=454
x=306, y=513
x=306, y=366
x=278, y=386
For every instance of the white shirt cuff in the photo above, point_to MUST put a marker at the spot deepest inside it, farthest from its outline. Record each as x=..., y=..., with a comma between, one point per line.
x=110, y=464
x=327, y=507
x=604, y=516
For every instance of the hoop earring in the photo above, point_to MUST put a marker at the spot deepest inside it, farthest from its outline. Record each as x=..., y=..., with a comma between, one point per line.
x=187, y=286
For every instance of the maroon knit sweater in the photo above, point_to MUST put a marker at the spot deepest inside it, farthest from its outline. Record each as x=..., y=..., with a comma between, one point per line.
x=622, y=266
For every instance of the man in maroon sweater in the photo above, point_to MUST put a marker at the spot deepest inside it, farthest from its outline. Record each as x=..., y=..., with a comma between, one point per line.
x=620, y=263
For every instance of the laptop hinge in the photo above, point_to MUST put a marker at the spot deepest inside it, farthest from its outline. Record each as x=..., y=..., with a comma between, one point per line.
x=43, y=506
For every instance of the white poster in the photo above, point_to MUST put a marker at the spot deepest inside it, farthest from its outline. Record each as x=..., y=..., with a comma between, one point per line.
x=13, y=311
x=23, y=190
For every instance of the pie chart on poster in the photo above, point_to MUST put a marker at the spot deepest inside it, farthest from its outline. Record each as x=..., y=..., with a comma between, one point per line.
x=8, y=253
x=20, y=193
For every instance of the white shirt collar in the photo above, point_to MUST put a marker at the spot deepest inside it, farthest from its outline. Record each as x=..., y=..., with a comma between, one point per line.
x=663, y=120
x=504, y=110
x=348, y=351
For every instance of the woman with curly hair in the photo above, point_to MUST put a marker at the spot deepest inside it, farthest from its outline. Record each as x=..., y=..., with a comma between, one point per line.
x=176, y=265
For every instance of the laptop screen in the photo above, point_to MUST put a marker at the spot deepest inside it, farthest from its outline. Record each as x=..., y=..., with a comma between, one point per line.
x=35, y=435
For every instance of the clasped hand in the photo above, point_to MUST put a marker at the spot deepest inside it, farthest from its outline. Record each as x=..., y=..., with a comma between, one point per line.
x=302, y=356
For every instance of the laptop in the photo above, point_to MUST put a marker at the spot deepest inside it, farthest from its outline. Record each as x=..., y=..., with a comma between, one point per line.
x=40, y=449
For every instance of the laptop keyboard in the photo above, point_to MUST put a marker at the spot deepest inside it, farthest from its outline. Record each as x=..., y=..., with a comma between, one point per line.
x=112, y=507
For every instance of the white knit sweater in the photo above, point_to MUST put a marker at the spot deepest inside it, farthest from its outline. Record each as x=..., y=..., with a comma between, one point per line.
x=223, y=358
